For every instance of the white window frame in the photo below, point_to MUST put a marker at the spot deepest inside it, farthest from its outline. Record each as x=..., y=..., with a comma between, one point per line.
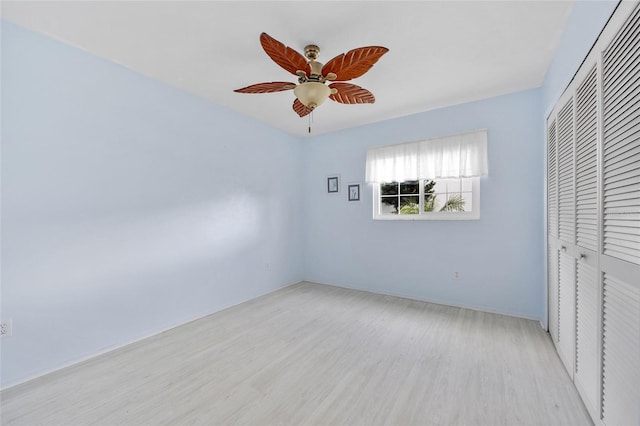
x=474, y=214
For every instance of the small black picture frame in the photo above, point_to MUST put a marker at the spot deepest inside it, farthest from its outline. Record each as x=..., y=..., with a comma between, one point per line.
x=333, y=184
x=354, y=192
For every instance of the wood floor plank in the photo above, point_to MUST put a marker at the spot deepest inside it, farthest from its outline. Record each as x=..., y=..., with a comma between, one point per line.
x=315, y=354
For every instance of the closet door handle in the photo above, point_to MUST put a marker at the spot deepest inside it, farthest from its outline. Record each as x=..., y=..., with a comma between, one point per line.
x=583, y=256
x=564, y=249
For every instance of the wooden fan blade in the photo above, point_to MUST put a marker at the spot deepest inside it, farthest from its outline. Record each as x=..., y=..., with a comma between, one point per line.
x=354, y=63
x=301, y=108
x=275, y=86
x=284, y=56
x=351, y=94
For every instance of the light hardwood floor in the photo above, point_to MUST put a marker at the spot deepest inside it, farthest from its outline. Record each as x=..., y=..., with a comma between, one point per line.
x=314, y=354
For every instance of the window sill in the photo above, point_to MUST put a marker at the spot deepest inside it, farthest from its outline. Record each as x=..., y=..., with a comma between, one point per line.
x=431, y=217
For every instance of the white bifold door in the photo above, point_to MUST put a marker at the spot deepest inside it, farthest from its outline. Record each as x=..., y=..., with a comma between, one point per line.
x=593, y=223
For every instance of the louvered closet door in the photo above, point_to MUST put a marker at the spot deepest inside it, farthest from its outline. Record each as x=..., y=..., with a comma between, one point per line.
x=621, y=226
x=621, y=352
x=587, y=163
x=552, y=230
x=621, y=92
x=566, y=235
x=552, y=181
x=566, y=312
x=566, y=202
x=593, y=214
x=587, y=366
x=554, y=299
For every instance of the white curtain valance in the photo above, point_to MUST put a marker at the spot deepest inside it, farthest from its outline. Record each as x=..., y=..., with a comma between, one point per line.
x=462, y=155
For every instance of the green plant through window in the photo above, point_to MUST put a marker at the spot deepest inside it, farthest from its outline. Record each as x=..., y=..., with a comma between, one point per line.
x=441, y=195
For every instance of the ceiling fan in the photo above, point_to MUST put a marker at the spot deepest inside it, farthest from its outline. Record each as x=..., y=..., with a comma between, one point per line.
x=311, y=90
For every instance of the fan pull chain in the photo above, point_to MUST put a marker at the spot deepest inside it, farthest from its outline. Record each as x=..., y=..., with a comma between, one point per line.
x=310, y=120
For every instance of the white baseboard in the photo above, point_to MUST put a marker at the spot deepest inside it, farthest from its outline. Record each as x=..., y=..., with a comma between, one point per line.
x=155, y=333
x=142, y=337
x=437, y=302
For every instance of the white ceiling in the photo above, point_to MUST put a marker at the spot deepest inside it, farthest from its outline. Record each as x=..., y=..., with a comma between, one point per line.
x=440, y=52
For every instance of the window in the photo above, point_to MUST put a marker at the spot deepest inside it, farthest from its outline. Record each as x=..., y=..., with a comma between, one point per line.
x=428, y=199
x=435, y=179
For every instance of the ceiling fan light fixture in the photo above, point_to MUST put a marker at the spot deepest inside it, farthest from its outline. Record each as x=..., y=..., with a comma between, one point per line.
x=311, y=91
x=312, y=94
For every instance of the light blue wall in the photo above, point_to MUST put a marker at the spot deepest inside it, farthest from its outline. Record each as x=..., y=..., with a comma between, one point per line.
x=129, y=207
x=500, y=256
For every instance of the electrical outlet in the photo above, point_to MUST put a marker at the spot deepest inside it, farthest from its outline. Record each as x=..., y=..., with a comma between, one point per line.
x=6, y=327
x=456, y=275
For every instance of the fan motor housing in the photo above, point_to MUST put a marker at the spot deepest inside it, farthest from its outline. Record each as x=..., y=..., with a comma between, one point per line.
x=311, y=52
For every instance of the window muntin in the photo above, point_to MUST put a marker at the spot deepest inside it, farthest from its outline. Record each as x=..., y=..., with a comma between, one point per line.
x=428, y=199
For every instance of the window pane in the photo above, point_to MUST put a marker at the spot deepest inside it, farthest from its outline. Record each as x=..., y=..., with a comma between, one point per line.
x=429, y=195
x=410, y=187
x=468, y=201
x=390, y=188
x=439, y=202
x=453, y=185
x=439, y=196
x=409, y=205
x=429, y=187
x=466, y=185
x=389, y=205
x=429, y=203
x=440, y=186
x=454, y=203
